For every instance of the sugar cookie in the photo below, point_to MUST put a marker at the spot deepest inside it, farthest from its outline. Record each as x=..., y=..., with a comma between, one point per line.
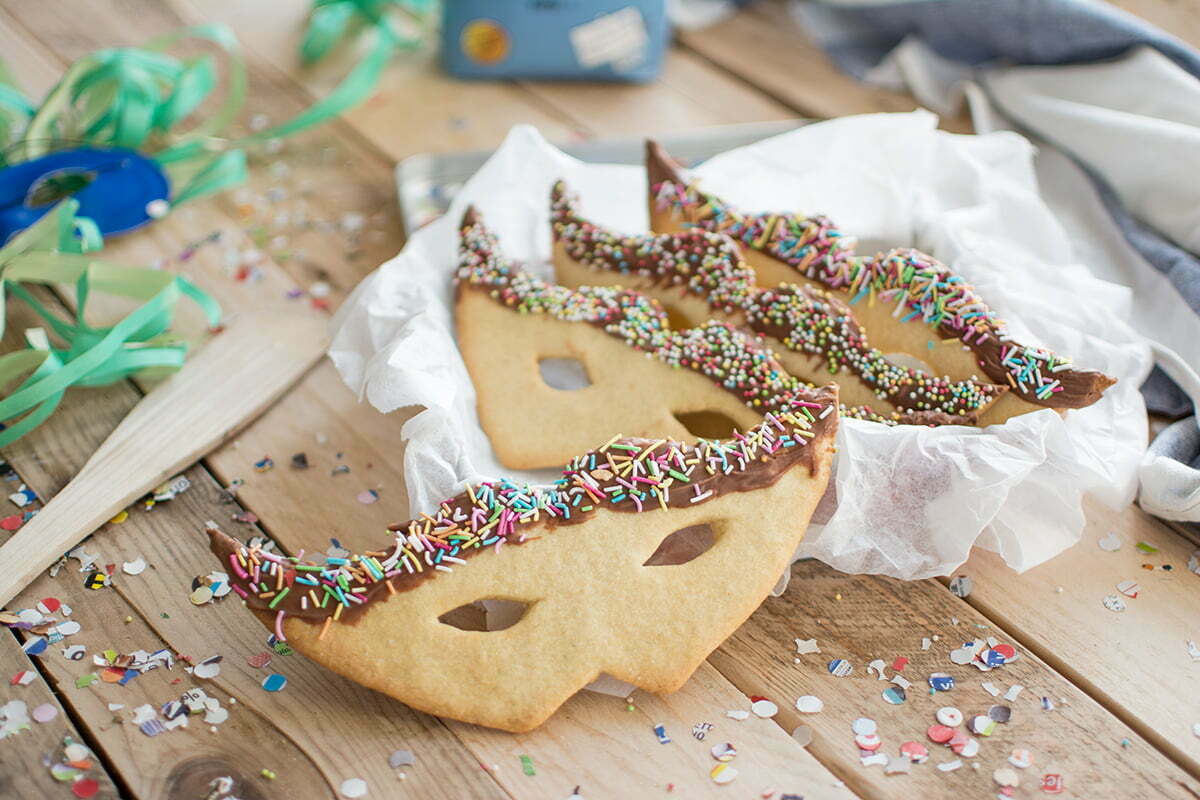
x=584, y=564
x=698, y=275
x=906, y=300
x=705, y=381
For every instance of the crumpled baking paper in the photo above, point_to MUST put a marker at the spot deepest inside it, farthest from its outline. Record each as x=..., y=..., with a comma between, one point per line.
x=909, y=502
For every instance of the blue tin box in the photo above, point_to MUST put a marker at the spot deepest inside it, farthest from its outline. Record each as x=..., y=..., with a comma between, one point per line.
x=592, y=40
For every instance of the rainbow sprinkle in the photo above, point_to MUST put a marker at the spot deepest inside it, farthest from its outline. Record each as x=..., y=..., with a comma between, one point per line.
x=626, y=474
x=921, y=288
x=803, y=319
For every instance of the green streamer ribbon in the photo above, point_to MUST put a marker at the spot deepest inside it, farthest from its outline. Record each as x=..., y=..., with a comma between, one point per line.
x=56, y=250
x=137, y=98
x=142, y=99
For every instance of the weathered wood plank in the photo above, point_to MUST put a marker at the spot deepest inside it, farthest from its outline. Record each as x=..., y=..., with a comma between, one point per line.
x=21, y=771
x=313, y=729
x=766, y=48
x=179, y=763
x=416, y=107
x=311, y=418
x=690, y=93
x=862, y=618
x=633, y=762
x=1136, y=662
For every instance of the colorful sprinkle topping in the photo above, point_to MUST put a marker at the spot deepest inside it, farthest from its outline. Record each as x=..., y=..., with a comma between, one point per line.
x=739, y=362
x=921, y=288
x=803, y=319
x=626, y=474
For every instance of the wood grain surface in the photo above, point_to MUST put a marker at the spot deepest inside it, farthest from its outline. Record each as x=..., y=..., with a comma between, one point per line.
x=1120, y=684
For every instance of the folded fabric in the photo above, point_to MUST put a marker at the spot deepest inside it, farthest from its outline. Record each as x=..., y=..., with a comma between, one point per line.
x=1114, y=104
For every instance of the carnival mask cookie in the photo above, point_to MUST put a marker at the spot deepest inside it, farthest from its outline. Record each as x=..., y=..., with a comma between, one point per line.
x=583, y=558
x=643, y=378
x=697, y=275
x=906, y=300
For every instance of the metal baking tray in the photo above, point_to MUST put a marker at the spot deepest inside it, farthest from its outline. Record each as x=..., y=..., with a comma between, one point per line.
x=427, y=182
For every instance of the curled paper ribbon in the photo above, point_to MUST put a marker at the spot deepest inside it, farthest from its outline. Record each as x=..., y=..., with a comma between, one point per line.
x=56, y=250
x=137, y=98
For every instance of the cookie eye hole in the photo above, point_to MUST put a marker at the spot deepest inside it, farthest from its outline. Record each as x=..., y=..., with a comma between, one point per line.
x=707, y=424
x=564, y=374
x=487, y=614
x=676, y=318
x=682, y=546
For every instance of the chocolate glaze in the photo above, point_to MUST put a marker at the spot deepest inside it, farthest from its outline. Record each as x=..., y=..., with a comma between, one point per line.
x=798, y=439
x=1079, y=387
x=804, y=319
x=739, y=363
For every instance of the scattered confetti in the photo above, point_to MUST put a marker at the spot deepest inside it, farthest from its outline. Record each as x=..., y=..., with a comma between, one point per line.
x=701, y=729
x=401, y=758
x=23, y=496
x=274, y=682
x=840, y=667
x=762, y=707
x=899, y=664
x=877, y=668
x=806, y=646
x=803, y=735
x=1110, y=543
x=940, y=734
x=737, y=714
x=961, y=585
x=1052, y=783
x=864, y=726
x=1128, y=588
x=1193, y=651
x=1114, y=603
x=915, y=751
x=723, y=752
x=897, y=765
x=949, y=716
x=14, y=718
x=259, y=660
x=368, y=497
x=527, y=766
x=208, y=669
x=1020, y=758
x=44, y=713
x=809, y=704
x=895, y=695
x=264, y=464
x=353, y=788
x=983, y=725
x=723, y=773
x=1146, y=547
x=941, y=682
x=300, y=461
x=949, y=766
x=661, y=732
x=135, y=567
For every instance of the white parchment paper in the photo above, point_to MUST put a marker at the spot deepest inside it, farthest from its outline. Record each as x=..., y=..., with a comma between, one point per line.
x=908, y=502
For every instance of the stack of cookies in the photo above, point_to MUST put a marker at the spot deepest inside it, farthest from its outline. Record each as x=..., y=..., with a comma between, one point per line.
x=712, y=361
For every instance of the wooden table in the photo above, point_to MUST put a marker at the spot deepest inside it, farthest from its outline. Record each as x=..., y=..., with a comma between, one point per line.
x=1122, y=687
